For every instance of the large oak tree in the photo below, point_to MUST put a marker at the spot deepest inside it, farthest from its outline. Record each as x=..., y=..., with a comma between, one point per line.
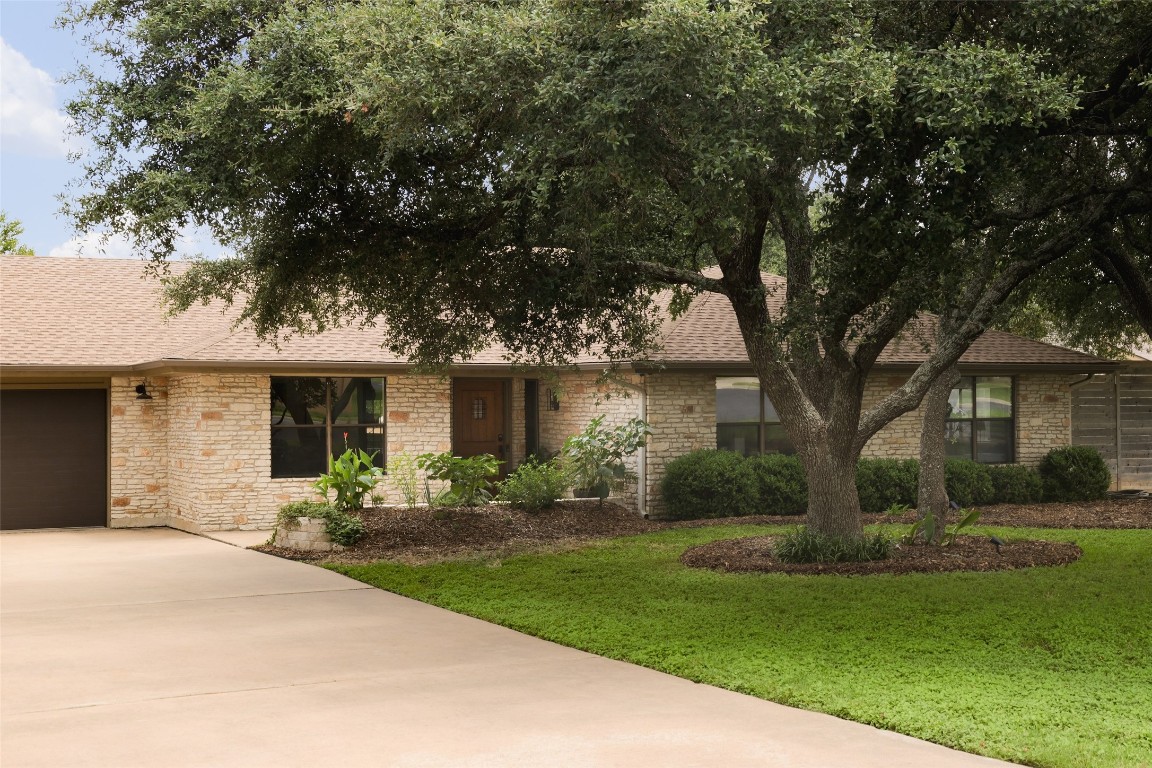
x=534, y=172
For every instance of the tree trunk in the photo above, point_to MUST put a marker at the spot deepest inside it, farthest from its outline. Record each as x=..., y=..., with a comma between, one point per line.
x=833, y=503
x=932, y=496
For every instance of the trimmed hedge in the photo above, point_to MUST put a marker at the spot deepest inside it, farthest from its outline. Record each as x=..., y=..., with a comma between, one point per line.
x=783, y=489
x=968, y=484
x=710, y=483
x=1015, y=484
x=884, y=482
x=1074, y=473
x=714, y=483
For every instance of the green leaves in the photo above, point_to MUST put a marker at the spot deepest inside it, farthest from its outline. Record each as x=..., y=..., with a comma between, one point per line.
x=352, y=476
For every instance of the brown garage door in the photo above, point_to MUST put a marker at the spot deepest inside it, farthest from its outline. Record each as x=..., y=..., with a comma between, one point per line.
x=53, y=458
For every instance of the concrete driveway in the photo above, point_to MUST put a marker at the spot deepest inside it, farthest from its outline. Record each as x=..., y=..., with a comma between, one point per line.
x=159, y=648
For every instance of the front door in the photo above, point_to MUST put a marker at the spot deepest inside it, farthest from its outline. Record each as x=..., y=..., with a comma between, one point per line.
x=479, y=419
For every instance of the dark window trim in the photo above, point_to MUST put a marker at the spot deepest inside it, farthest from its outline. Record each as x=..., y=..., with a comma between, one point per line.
x=761, y=425
x=328, y=426
x=973, y=420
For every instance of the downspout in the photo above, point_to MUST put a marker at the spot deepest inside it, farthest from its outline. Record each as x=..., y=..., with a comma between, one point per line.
x=642, y=454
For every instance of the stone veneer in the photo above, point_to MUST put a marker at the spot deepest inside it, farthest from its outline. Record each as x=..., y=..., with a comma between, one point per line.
x=1043, y=418
x=197, y=456
x=582, y=397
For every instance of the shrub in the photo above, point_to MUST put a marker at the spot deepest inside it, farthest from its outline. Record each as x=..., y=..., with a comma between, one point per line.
x=352, y=476
x=1074, y=473
x=468, y=478
x=968, y=483
x=402, y=474
x=534, y=485
x=780, y=483
x=805, y=546
x=1015, y=484
x=709, y=483
x=343, y=528
x=884, y=483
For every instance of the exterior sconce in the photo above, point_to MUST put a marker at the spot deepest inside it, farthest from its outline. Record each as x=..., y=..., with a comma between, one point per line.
x=142, y=392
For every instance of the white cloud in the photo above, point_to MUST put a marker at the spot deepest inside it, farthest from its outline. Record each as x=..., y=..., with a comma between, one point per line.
x=100, y=245
x=29, y=119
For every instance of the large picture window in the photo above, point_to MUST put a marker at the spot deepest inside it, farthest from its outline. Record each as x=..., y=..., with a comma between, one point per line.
x=314, y=418
x=746, y=422
x=981, y=425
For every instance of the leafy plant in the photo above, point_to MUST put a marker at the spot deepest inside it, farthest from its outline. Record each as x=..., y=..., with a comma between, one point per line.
x=709, y=483
x=352, y=476
x=534, y=485
x=926, y=527
x=468, y=478
x=806, y=546
x=594, y=458
x=1074, y=473
x=897, y=509
x=402, y=471
x=342, y=527
x=781, y=486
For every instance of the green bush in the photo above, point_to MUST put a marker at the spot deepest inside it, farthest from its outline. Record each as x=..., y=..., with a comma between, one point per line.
x=469, y=478
x=1015, y=484
x=709, y=483
x=343, y=528
x=780, y=482
x=967, y=482
x=534, y=485
x=1074, y=473
x=883, y=483
x=805, y=546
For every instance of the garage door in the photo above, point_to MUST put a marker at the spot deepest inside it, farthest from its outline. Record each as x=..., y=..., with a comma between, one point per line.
x=53, y=458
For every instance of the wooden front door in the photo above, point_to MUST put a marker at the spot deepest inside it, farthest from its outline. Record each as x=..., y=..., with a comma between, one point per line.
x=478, y=419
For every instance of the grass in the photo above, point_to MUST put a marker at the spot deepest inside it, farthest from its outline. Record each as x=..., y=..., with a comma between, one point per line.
x=1048, y=666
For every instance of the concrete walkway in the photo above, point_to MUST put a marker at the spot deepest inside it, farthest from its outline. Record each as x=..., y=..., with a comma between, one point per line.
x=159, y=648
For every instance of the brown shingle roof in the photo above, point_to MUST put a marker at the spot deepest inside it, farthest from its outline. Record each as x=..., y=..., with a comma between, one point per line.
x=103, y=314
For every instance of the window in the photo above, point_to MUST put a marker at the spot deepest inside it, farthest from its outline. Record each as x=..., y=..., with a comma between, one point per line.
x=746, y=422
x=314, y=418
x=980, y=425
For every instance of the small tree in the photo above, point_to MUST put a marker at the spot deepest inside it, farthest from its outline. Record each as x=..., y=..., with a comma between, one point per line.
x=10, y=231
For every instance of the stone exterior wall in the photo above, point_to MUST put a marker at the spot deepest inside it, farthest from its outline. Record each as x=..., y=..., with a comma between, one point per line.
x=582, y=397
x=197, y=456
x=1043, y=418
x=1043, y=415
x=138, y=453
x=682, y=414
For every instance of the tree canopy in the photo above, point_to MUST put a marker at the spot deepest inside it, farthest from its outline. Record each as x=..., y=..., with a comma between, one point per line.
x=534, y=172
x=10, y=231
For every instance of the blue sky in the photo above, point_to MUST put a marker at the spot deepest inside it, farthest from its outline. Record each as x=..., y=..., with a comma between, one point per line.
x=34, y=167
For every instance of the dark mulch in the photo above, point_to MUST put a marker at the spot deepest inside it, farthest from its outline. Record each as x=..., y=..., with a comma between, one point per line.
x=967, y=553
x=422, y=535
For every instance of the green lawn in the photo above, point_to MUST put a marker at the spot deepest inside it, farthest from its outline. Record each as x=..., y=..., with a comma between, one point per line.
x=1050, y=666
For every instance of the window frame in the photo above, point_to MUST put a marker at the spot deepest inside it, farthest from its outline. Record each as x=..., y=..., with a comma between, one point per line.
x=329, y=425
x=761, y=424
x=975, y=421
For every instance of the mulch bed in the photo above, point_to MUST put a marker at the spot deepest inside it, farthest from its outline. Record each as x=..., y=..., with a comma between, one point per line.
x=966, y=553
x=422, y=535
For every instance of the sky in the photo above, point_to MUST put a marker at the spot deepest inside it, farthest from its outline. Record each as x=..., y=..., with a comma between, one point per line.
x=34, y=139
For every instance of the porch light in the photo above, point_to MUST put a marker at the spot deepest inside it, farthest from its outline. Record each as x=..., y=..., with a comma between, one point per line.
x=142, y=392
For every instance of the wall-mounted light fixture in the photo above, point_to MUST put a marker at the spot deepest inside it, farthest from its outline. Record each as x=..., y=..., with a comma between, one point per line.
x=142, y=392
x=553, y=401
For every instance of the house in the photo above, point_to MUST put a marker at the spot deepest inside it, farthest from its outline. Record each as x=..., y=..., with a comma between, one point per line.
x=113, y=414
